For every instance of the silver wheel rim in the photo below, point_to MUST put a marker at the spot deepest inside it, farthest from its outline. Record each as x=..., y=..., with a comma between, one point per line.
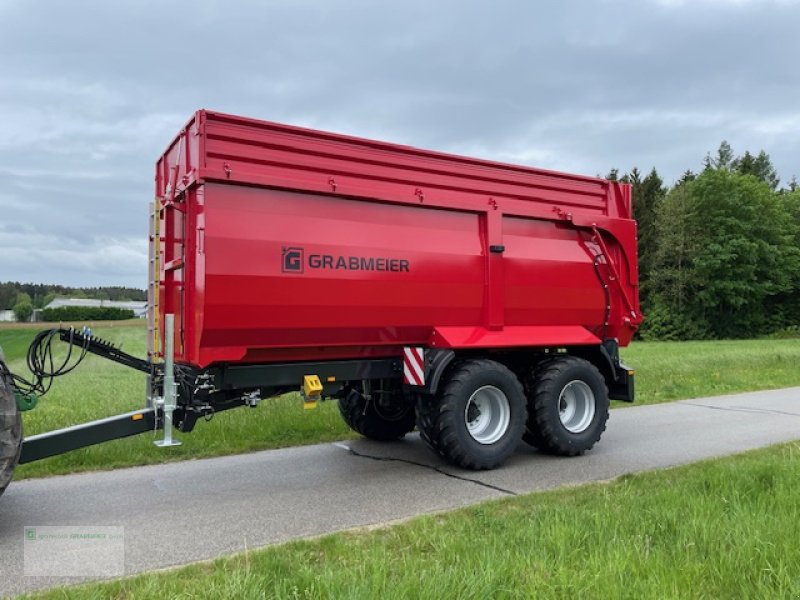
x=487, y=415
x=576, y=406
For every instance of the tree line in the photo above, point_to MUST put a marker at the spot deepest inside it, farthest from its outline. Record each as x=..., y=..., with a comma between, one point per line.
x=719, y=251
x=23, y=298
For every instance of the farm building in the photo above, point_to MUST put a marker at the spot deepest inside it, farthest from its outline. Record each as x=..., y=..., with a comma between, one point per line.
x=139, y=308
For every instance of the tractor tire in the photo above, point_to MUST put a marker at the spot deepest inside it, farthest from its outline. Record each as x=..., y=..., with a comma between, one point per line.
x=376, y=422
x=477, y=420
x=567, y=406
x=10, y=430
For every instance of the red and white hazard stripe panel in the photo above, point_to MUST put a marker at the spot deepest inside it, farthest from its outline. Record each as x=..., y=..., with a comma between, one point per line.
x=413, y=365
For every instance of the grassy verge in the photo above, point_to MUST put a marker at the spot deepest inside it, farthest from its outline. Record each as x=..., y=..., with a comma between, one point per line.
x=667, y=371
x=38, y=326
x=99, y=388
x=719, y=529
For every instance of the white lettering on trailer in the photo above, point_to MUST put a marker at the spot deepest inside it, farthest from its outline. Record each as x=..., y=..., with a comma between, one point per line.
x=413, y=365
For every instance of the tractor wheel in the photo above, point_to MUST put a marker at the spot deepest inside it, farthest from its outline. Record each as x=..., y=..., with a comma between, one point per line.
x=477, y=419
x=10, y=430
x=384, y=416
x=567, y=406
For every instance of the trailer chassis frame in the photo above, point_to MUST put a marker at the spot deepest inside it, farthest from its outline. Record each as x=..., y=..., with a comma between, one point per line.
x=222, y=387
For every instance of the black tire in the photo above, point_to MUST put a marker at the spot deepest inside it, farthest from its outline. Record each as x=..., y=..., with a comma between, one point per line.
x=376, y=422
x=531, y=435
x=567, y=406
x=477, y=419
x=10, y=431
x=427, y=423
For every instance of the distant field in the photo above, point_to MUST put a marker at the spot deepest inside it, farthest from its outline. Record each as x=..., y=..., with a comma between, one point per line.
x=16, y=337
x=98, y=388
x=103, y=324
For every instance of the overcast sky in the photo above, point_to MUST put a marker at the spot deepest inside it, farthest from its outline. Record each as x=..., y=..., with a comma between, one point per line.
x=92, y=92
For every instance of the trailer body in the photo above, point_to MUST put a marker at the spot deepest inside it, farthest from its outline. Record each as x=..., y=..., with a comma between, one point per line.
x=278, y=244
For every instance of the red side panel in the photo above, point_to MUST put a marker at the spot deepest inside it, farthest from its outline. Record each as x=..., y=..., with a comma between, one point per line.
x=256, y=309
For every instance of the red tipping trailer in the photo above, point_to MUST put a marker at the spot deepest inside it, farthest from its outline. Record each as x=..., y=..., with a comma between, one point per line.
x=481, y=303
x=281, y=245
x=284, y=244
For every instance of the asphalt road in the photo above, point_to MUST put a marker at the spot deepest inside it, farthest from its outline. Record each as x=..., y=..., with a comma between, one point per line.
x=182, y=512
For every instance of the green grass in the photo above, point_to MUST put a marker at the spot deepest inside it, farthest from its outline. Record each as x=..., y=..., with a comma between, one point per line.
x=98, y=388
x=15, y=342
x=668, y=371
x=719, y=529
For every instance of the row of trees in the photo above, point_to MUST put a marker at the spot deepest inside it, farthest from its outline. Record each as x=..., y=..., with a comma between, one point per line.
x=23, y=298
x=719, y=252
x=41, y=294
x=86, y=313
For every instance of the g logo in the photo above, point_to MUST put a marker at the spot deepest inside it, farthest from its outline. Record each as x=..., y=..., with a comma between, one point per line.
x=292, y=260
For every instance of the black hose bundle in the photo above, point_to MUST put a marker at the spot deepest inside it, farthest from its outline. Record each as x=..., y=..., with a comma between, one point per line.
x=42, y=364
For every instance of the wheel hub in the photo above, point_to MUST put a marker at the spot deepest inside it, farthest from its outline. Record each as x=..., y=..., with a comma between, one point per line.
x=576, y=406
x=487, y=415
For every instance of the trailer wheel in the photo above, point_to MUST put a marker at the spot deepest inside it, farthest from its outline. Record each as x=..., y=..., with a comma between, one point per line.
x=427, y=423
x=567, y=406
x=376, y=420
x=10, y=431
x=477, y=420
